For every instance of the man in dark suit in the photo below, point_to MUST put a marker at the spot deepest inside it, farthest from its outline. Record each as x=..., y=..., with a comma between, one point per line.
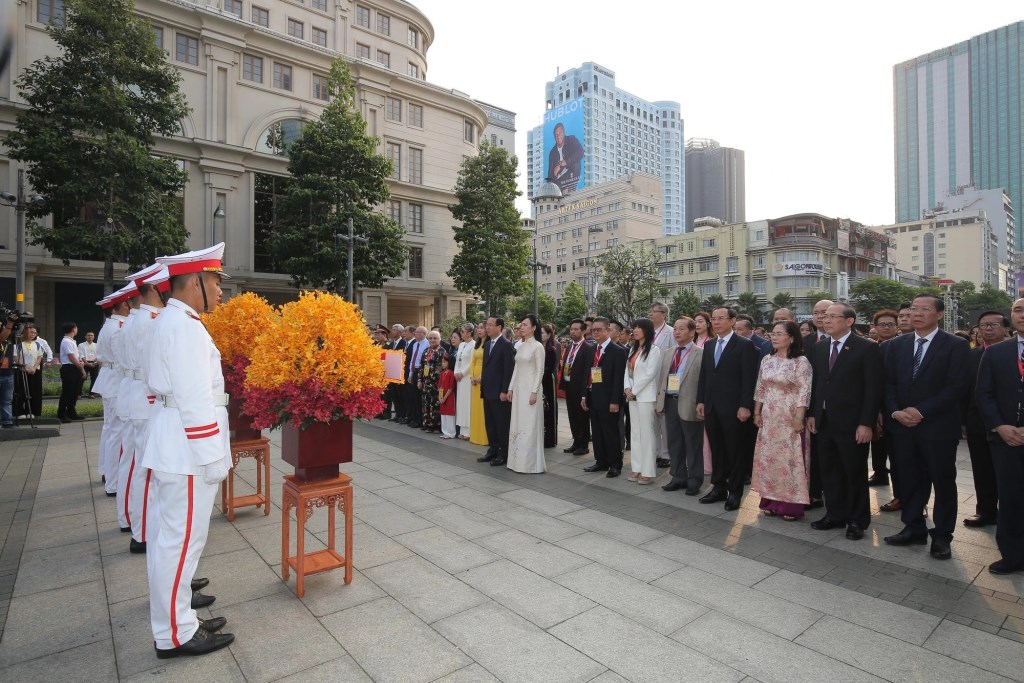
x=884, y=322
x=499, y=361
x=725, y=400
x=414, y=349
x=745, y=328
x=396, y=392
x=993, y=327
x=565, y=160
x=577, y=354
x=845, y=399
x=904, y=327
x=1001, y=404
x=925, y=380
x=604, y=400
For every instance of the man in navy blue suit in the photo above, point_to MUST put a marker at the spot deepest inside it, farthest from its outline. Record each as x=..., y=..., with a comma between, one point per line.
x=925, y=379
x=1000, y=398
x=745, y=328
x=499, y=361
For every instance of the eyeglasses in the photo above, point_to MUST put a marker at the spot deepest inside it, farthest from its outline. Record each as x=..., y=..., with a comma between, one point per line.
x=778, y=334
x=928, y=309
x=835, y=316
x=885, y=325
x=989, y=326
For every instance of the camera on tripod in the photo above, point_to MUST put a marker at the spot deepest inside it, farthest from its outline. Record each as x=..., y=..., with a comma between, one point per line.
x=19, y=318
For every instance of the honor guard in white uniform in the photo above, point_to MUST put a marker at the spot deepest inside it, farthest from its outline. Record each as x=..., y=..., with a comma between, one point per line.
x=124, y=458
x=134, y=403
x=107, y=384
x=107, y=305
x=187, y=450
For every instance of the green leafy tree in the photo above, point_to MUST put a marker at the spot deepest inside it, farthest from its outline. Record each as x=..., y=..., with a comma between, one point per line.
x=963, y=288
x=95, y=108
x=629, y=274
x=685, y=302
x=747, y=304
x=337, y=175
x=712, y=302
x=521, y=306
x=493, y=248
x=874, y=294
x=572, y=305
x=822, y=295
x=605, y=305
x=987, y=298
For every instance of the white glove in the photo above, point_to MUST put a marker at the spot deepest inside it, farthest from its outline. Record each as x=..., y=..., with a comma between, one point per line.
x=216, y=472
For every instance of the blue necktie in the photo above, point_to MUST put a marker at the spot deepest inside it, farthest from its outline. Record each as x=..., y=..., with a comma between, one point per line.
x=918, y=355
x=718, y=350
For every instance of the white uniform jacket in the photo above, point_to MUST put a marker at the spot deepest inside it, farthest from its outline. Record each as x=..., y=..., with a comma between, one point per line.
x=644, y=380
x=140, y=398
x=109, y=379
x=184, y=365
x=120, y=345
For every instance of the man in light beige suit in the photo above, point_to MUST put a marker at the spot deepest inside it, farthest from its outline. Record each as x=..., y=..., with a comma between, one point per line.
x=677, y=401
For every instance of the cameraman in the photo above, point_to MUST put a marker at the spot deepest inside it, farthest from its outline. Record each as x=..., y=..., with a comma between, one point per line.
x=7, y=373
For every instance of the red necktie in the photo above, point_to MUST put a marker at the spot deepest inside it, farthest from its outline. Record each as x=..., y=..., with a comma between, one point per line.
x=597, y=359
x=675, y=360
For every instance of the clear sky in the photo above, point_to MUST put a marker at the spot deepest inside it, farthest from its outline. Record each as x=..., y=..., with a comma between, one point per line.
x=804, y=88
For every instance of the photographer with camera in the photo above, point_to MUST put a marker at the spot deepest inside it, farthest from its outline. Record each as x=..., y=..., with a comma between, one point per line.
x=7, y=370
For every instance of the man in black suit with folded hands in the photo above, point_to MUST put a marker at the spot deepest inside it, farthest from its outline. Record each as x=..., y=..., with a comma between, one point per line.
x=604, y=400
x=925, y=379
x=845, y=399
x=578, y=354
x=499, y=361
x=1000, y=397
x=725, y=401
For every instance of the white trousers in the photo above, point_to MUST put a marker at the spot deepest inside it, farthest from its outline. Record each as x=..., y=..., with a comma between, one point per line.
x=125, y=471
x=448, y=425
x=183, y=506
x=139, y=489
x=643, y=438
x=110, y=443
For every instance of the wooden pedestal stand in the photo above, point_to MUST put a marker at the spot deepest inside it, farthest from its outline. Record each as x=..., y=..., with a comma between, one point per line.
x=259, y=449
x=305, y=497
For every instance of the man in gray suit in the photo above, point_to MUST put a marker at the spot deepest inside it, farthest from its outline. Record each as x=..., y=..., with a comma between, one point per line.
x=677, y=402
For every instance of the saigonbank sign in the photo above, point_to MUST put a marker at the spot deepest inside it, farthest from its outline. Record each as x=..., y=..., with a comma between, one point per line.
x=799, y=268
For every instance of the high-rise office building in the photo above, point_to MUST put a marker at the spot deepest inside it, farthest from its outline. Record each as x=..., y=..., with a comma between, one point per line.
x=959, y=120
x=715, y=182
x=620, y=134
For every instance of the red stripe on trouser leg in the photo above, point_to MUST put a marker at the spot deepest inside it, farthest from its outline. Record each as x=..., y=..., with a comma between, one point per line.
x=181, y=566
x=120, y=453
x=145, y=504
x=128, y=490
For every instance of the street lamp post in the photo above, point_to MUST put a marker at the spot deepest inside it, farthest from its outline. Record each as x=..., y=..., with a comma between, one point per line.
x=591, y=270
x=20, y=204
x=349, y=241
x=536, y=266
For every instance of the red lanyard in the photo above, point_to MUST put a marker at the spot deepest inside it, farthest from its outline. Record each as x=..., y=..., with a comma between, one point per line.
x=572, y=353
x=676, y=362
x=597, y=356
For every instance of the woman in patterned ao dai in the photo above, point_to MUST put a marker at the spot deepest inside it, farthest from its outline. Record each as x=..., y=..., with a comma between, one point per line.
x=781, y=399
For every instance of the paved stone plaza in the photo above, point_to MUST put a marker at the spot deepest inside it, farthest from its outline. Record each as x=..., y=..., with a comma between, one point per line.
x=471, y=573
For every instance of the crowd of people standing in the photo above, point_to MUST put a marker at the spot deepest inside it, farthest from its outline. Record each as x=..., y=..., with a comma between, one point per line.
x=795, y=411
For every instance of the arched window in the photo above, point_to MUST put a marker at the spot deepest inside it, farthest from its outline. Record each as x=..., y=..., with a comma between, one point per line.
x=275, y=140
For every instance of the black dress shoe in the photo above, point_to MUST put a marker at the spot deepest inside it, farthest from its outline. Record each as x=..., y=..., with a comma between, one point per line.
x=124, y=529
x=413, y=425
x=663, y=462
x=940, y=550
x=485, y=458
x=814, y=504
x=878, y=480
x=570, y=449
x=714, y=495
x=137, y=548
x=612, y=473
x=213, y=624
x=1000, y=567
x=581, y=451
x=732, y=503
x=65, y=420
x=826, y=523
x=199, y=584
x=672, y=486
x=905, y=538
x=200, y=600
x=595, y=468
x=498, y=462
x=692, y=490
x=854, y=532
x=202, y=642
x=111, y=495
x=976, y=521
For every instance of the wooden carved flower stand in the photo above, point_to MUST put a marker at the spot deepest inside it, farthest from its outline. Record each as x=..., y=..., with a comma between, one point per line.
x=306, y=496
x=259, y=450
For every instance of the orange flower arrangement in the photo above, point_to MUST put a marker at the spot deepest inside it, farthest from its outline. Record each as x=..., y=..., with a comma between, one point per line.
x=324, y=366
x=234, y=326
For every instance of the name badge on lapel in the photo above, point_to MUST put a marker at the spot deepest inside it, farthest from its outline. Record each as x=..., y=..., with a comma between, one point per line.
x=595, y=375
x=673, y=383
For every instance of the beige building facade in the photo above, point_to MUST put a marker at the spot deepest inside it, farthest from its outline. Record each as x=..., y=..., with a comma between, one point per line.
x=253, y=71
x=572, y=232
x=954, y=245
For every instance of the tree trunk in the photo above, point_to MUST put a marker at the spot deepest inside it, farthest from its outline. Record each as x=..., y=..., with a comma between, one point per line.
x=108, y=274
